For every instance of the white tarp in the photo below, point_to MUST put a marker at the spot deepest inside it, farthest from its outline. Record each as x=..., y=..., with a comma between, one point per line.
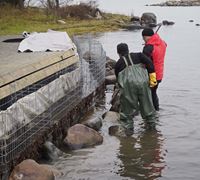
x=46, y=41
x=34, y=104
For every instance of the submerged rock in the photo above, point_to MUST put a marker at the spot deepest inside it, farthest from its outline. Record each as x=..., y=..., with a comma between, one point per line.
x=31, y=170
x=165, y=22
x=115, y=128
x=80, y=136
x=94, y=123
x=119, y=131
x=111, y=117
x=49, y=151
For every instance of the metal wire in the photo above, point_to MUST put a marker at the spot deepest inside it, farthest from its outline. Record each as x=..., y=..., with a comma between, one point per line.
x=15, y=140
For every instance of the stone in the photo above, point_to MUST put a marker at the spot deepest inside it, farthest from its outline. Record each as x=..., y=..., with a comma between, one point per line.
x=115, y=101
x=55, y=172
x=148, y=18
x=89, y=56
x=80, y=136
x=111, y=79
x=165, y=22
x=61, y=22
x=135, y=19
x=110, y=62
x=111, y=117
x=49, y=151
x=31, y=170
x=94, y=123
x=110, y=72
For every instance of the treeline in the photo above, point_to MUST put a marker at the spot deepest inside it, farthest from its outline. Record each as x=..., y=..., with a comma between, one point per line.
x=22, y=3
x=59, y=8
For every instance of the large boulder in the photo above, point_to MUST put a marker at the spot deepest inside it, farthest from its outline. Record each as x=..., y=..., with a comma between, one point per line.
x=149, y=19
x=30, y=170
x=81, y=136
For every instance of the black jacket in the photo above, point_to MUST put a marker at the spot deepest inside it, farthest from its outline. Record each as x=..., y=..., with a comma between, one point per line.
x=137, y=58
x=147, y=50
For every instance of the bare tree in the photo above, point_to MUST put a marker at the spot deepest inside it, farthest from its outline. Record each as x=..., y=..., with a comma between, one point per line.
x=57, y=4
x=21, y=3
x=53, y=6
x=15, y=3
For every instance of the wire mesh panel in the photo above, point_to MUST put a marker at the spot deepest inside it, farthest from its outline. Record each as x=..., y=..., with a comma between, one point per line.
x=93, y=60
x=27, y=114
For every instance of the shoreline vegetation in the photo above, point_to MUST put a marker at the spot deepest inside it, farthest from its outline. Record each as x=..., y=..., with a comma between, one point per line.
x=14, y=21
x=74, y=19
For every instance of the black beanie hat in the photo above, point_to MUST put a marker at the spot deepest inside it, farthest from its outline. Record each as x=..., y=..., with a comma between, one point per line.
x=147, y=32
x=122, y=49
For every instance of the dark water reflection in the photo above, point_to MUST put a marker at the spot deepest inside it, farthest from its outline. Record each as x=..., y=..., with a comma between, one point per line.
x=142, y=157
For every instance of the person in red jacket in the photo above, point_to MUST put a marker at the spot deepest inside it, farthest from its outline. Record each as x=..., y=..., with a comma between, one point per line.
x=155, y=48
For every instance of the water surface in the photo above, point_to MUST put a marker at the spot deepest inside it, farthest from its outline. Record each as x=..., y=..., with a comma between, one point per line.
x=173, y=151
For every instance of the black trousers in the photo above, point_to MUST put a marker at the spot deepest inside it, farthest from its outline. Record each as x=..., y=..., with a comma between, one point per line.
x=155, y=96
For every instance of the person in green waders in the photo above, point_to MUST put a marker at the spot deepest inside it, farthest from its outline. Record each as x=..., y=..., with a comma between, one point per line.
x=135, y=75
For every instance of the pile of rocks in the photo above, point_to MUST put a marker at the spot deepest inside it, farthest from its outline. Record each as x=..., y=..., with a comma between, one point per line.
x=147, y=20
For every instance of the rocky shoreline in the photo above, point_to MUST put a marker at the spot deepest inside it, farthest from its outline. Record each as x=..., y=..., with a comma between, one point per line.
x=175, y=3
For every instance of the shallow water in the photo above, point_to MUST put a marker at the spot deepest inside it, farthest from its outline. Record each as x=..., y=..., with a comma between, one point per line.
x=173, y=151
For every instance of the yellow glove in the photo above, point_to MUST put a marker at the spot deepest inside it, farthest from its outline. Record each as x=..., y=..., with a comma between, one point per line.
x=152, y=79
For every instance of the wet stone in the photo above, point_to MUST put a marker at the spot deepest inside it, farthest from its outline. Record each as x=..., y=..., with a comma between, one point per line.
x=80, y=136
x=94, y=123
x=111, y=79
x=30, y=170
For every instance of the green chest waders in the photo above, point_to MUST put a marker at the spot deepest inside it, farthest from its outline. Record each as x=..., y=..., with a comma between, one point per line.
x=135, y=94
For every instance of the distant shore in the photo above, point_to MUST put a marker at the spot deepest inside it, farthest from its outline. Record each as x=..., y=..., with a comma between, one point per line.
x=178, y=3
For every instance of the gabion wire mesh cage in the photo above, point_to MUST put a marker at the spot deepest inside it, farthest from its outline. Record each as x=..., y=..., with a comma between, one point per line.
x=93, y=61
x=28, y=114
